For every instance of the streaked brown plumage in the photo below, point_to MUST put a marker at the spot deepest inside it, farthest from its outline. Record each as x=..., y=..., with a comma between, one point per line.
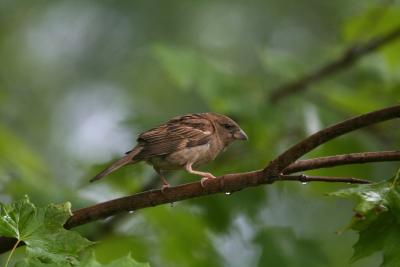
x=181, y=143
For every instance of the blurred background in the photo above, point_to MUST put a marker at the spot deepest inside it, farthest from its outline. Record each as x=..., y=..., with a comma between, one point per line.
x=80, y=79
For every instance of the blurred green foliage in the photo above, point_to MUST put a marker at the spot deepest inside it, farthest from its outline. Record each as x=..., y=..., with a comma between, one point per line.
x=79, y=80
x=126, y=261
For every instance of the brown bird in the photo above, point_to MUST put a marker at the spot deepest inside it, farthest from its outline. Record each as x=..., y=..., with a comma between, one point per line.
x=182, y=143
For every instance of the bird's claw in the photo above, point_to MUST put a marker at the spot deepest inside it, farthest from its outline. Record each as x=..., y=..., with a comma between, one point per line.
x=204, y=179
x=164, y=186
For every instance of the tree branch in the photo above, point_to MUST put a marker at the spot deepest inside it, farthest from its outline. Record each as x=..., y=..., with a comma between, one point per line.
x=338, y=160
x=302, y=165
x=346, y=60
x=238, y=181
x=228, y=183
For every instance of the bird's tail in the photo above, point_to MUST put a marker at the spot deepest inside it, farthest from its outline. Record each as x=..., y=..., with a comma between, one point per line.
x=128, y=159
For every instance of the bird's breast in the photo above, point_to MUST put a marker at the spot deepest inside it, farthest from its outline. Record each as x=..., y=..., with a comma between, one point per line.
x=197, y=155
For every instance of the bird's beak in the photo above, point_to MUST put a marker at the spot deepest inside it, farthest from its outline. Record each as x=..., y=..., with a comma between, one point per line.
x=240, y=135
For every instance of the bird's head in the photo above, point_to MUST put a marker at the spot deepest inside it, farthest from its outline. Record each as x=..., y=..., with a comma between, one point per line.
x=227, y=129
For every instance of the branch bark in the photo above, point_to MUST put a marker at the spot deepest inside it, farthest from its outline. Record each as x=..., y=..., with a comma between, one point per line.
x=347, y=59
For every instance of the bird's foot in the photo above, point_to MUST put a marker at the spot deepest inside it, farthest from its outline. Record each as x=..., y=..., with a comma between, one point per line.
x=204, y=179
x=164, y=187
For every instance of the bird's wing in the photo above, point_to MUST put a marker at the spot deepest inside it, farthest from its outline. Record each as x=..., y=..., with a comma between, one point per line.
x=178, y=133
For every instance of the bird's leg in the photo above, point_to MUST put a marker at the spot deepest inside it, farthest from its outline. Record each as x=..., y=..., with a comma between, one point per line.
x=205, y=175
x=164, y=181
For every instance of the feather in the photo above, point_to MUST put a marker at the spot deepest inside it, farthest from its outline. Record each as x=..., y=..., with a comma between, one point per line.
x=176, y=134
x=128, y=159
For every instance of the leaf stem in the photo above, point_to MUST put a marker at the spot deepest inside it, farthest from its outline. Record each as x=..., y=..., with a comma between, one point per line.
x=12, y=252
x=396, y=177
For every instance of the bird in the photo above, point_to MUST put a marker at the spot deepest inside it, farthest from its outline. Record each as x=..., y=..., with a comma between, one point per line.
x=184, y=142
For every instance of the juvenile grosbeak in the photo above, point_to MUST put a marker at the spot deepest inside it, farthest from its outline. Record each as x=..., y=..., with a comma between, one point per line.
x=182, y=143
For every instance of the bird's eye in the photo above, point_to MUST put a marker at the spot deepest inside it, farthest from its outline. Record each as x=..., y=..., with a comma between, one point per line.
x=228, y=126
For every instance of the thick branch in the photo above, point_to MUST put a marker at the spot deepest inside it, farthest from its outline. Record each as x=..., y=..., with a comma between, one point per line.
x=229, y=183
x=338, y=160
x=346, y=60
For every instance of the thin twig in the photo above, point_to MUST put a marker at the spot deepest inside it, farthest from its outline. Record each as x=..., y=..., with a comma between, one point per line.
x=345, y=60
x=328, y=179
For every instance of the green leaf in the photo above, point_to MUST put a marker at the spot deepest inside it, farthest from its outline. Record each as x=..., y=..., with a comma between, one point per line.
x=89, y=261
x=14, y=215
x=32, y=262
x=371, y=201
x=376, y=219
x=41, y=229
